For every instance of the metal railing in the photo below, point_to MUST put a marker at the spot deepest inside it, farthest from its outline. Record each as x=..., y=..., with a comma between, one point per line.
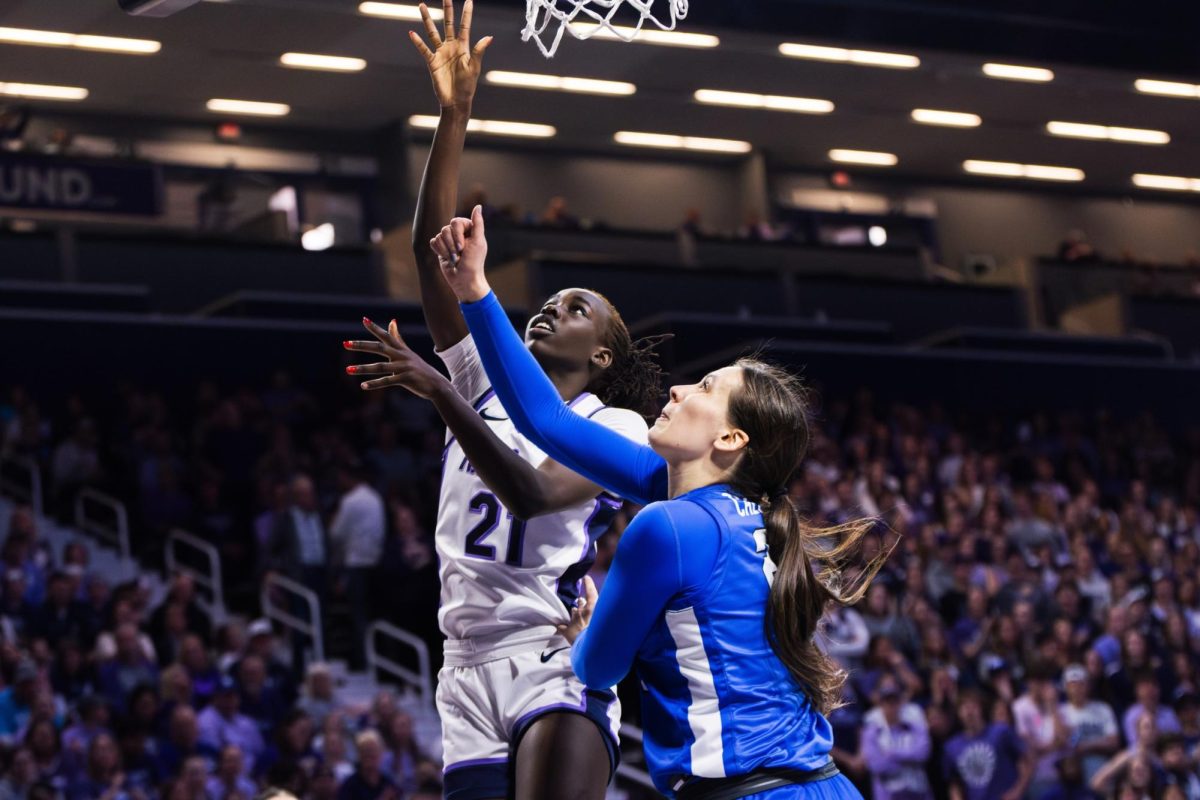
x=207, y=575
x=28, y=491
x=628, y=771
x=115, y=535
x=422, y=679
x=311, y=627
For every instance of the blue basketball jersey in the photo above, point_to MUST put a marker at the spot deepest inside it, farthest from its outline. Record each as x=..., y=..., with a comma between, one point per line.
x=717, y=701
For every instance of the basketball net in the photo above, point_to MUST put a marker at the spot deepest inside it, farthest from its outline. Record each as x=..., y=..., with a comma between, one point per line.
x=546, y=20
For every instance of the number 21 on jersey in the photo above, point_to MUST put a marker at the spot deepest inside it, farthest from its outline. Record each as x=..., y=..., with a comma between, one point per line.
x=760, y=546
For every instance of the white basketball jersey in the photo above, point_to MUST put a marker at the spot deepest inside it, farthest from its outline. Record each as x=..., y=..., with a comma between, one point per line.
x=501, y=574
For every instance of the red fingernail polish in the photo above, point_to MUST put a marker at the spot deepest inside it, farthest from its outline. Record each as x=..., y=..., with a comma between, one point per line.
x=347, y=344
x=351, y=370
x=367, y=321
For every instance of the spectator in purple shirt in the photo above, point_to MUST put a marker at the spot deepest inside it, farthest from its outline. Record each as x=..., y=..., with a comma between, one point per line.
x=128, y=669
x=1147, y=693
x=895, y=746
x=984, y=762
x=223, y=724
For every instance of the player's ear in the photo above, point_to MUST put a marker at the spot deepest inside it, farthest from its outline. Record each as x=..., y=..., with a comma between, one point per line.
x=731, y=440
x=602, y=358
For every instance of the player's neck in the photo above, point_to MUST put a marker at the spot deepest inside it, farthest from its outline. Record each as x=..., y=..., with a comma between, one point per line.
x=570, y=383
x=688, y=476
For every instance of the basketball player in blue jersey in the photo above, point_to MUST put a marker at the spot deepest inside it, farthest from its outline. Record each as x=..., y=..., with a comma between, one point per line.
x=717, y=586
x=515, y=532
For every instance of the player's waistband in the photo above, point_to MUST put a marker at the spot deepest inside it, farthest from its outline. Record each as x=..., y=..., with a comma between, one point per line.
x=481, y=649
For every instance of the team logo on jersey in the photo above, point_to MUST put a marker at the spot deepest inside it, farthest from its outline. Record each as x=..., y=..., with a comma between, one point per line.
x=546, y=656
x=977, y=765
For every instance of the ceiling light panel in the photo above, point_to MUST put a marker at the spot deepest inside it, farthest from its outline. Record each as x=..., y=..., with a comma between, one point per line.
x=560, y=83
x=1166, y=183
x=494, y=127
x=842, y=55
x=948, y=119
x=1009, y=169
x=80, y=41
x=1167, y=88
x=40, y=91
x=320, y=62
x=1014, y=72
x=1083, y=130
x=674, y=142
x=772, y=102
x=404, y=11
x=253, y=108
x=870, y=158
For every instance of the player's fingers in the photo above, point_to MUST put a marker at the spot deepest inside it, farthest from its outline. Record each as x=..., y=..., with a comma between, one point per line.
x=438, y=245
x=376, y=331
x=383, y=383
x=419, y=43
x=464, y=25
x=460, y=228
x=589, y=591
x=376, y=368
x=435, y=38
x=394, y=332
x=360, y=346
x=452, y=248
x=448, y=14
x=477, y=230
x=480, y=46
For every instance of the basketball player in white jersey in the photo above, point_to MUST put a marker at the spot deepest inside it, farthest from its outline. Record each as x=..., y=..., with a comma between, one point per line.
x=516, y=532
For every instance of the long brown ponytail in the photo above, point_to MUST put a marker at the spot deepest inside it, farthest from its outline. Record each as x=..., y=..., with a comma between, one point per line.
x=772, y=407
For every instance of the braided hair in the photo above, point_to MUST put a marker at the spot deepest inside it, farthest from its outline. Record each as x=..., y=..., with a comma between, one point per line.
x=634, y=379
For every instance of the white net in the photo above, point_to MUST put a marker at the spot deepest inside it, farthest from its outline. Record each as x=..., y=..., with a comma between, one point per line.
x=547, y=20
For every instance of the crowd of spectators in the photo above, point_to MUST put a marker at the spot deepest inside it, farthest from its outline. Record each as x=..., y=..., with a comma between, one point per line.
x=1034, y=633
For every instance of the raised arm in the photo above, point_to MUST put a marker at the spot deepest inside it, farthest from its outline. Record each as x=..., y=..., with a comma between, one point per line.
x=454, y=68
x=626, y=469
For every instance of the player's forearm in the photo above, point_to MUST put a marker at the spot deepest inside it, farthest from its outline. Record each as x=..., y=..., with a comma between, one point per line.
x=436, y=202
x=514, y=481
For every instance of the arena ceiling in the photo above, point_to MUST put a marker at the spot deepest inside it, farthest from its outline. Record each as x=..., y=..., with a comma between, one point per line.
x=231, y=49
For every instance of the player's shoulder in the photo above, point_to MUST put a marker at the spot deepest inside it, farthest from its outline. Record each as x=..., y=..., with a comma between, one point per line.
x=678, y=520
x=629, y=423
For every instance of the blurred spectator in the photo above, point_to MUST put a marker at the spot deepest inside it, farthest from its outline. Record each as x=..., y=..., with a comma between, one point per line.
x=222, y=723
x=228, y=780
x=317, y=700
x=128, y=669
x=357, y=531
x=985, y=761
x=1075, y=248
x=1147, y=691
x=369, y=782
x=183, y=743
x=16, y=701
x=1091, y=725
x=556, y=215
x=299, y=546
x=896, y=746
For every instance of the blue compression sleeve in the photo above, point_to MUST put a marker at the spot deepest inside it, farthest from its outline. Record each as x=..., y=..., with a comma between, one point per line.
x=668, y=549
x=602, y=455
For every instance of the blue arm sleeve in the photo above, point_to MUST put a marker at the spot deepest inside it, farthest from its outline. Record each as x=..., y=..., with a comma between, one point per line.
x=602, y=455
x=648, y=571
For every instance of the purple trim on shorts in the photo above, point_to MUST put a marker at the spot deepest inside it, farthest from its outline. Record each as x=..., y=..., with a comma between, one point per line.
x=475, y=762
x=612, y=744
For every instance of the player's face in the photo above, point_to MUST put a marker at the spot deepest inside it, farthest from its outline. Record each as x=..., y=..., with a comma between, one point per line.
x=697, y=417
x=569, y=329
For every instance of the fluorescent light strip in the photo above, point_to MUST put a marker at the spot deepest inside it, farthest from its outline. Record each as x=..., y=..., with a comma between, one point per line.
x=866, y=58
x=773, y=102
x=1008, y=169
x=491, y=126
x=529, y=80
x=622, y=33
x=1167, y=183
x=411, y=13
x=326, y=63
x=866, y=157
x=251, y=107
x=41, y=91
x=673, y=142
x=1082, y=130
x=1166, y=88
x=1013, y=72
x=81, y=41
x=949, y=119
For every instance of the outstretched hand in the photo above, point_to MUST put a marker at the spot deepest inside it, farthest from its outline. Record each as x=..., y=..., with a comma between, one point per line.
x=581, y=615
x=400, y=365
x=461, y=248
x=454, y=65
